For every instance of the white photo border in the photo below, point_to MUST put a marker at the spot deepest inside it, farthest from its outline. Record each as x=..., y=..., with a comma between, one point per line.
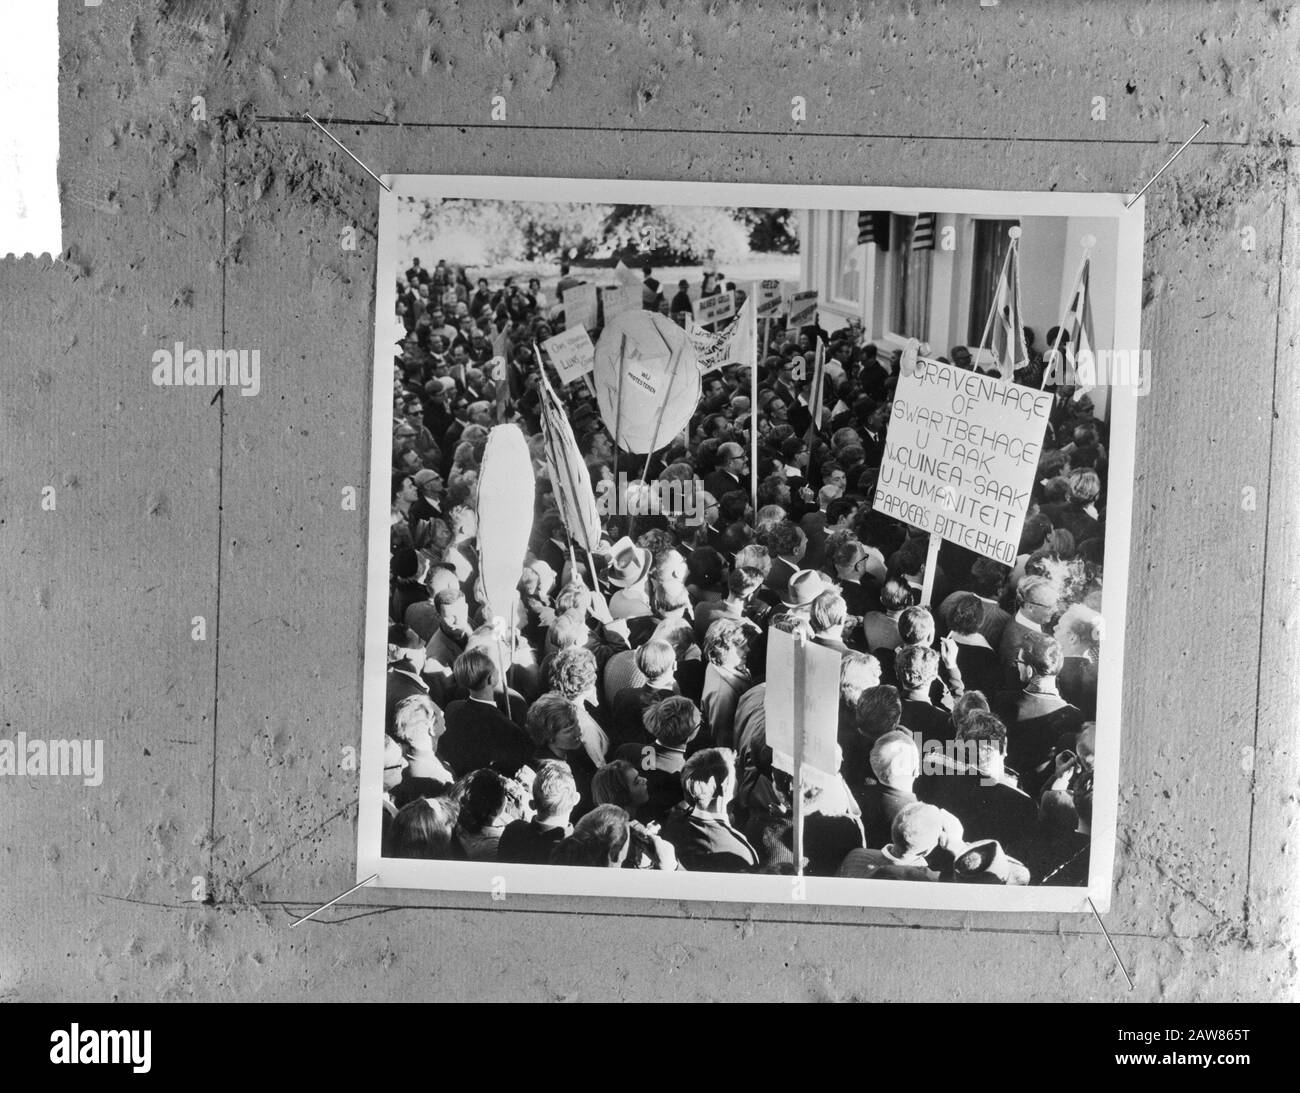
x=501, y=877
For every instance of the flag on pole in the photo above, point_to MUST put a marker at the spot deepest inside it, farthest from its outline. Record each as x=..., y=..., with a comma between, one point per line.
x=1008, y=330
x=733, y=344
x=816, y=393
x=923, y=232
x=570, y=480
x=874, y=228
x=1077, y=327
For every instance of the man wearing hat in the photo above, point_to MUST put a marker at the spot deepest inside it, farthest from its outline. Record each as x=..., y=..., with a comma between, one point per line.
x=628, y=572
x=802, y=592
x=427, y=506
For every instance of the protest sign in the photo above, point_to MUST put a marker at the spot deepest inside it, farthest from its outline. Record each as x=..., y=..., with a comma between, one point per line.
x=771, y=299
x=803, y=309
x=656, y=406
x=960, y=456
x=715, y=308
x=621, y=299
x=572, y=353
x=580, y=307
x=803, y=718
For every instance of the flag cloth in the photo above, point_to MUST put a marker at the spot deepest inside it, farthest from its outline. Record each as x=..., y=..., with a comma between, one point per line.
x=570, y=480
x=733, y=344
x=1076, y=330
x=874, y=228
x=1008, y=329
x=923, y=232
x=816, y=392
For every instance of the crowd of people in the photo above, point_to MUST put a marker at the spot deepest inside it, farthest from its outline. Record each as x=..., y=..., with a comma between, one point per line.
x=617, y=718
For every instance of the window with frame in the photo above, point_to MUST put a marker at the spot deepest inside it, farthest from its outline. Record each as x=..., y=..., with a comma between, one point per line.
x=847, y=260
x=910, y=313
x=989, y=252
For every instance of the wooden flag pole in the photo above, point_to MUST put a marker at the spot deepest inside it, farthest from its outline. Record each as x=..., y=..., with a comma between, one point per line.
x=618, y=413
x=663, y=406
x=800, y=697
x=931, y=564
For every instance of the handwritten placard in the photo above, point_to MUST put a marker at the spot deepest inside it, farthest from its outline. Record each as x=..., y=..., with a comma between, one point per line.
x=572, y=353
x=580, y=307
x=771, y=299
x=803, y=309
x=960, y=455
x=715, y=308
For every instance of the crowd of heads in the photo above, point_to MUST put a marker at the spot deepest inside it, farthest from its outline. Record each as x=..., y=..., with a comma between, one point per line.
x=616, y=715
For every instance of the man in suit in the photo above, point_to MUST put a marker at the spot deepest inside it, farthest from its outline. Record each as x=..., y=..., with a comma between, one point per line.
x=895, y=762
x=656, y=660
x=699, y=828
x=1037, y=717
x=786, y=542
x=555, y=796
x=478, y=733
x=971, y=782
x=406, y=659
x=732, y=472
x=853, y=563
x=1036, y=602
x=976, y=660
x=917, y=667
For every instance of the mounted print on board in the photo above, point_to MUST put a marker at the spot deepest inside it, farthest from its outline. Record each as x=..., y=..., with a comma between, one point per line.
x=821, y=511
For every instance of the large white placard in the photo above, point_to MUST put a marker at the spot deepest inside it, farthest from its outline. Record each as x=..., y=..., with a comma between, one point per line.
x=960, y=456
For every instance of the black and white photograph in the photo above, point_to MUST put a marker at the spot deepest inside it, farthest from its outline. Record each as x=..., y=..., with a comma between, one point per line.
x=650, y=501
x=748, y=543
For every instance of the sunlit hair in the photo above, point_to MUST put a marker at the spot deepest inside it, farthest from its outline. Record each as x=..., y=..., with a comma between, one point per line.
x=672, y=721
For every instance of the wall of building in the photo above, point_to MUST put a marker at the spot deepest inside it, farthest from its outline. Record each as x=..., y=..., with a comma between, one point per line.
x=225, y=775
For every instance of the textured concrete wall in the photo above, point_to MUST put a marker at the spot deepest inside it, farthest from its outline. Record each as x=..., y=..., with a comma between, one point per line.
x=223, y=755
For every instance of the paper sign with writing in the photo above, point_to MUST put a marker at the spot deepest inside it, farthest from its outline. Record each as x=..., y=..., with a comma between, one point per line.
x=818, y=715
x=771, y=299
x=580, y=307
x=715, y=308
x=618, y=300
x=572, y=353
x=637, y=357
x=803, y=309
x=961, y=450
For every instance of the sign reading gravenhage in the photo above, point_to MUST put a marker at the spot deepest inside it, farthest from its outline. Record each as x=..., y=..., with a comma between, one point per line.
x=960, y=456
